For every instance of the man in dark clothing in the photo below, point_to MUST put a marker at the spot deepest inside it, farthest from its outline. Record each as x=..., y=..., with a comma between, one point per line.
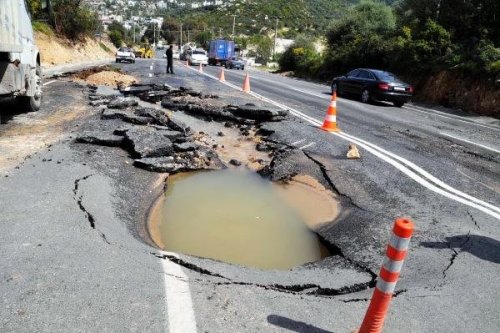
x=170, y=59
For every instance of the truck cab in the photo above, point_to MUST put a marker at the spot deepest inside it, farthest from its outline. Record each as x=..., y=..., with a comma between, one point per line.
x=20, y=65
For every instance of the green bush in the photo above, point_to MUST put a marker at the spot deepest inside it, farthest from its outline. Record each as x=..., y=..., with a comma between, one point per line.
x=104, y=47
x=116, y=38
x=43, y=28
x=74, y=20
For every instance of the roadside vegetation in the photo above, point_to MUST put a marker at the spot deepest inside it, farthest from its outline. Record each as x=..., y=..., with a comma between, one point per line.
x=68, y=18
x=412, y=37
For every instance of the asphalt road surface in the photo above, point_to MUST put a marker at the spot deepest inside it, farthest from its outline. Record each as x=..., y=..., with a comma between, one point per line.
x=74, y=257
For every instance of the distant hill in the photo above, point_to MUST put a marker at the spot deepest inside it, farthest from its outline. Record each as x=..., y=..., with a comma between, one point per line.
x=260, y=16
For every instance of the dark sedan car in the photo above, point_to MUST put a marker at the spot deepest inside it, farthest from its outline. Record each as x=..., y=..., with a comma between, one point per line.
x=373, y=84
x=235, y=63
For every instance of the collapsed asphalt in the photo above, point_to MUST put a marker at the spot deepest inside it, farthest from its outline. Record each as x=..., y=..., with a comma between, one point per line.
x=73, y=211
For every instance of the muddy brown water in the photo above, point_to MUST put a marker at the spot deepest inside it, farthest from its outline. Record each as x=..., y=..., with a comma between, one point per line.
x=237, y=217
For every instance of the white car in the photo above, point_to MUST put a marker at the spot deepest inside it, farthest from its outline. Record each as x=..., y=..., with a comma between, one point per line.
x=177, y=55
x=197, y=57
x=125, y=54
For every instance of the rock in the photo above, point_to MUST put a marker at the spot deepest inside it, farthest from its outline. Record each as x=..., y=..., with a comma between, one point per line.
x=187, y=146
x=122, y=103
x=353, y=152
x=220, y=134
x=235, y=162
x=100, y=138
x=264, y=147
x=147, y=142
x=174, y=106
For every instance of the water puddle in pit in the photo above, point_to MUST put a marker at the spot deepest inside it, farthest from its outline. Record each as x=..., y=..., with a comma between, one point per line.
x=237, y=217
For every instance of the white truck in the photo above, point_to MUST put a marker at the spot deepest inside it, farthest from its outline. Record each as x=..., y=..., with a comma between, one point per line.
x=20, y=70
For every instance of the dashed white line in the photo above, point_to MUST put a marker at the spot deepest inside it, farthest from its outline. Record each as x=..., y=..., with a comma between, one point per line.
x=50, y=82
x=307, y=146
x=410, y=169
x=471, y=142
x=180, y=312
x=297, y=142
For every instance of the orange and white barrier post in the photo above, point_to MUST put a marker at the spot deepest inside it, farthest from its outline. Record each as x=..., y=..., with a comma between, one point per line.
x=246, y=84
x=222, y=76
x=187, y=63
x=200, y=69
x=388, y=277
x=330, y=123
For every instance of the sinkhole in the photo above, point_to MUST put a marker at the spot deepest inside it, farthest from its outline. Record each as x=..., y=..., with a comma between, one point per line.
x=238, y=217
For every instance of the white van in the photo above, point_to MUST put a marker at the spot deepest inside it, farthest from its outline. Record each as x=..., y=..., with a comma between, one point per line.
x=198, y=57
x=20, y=70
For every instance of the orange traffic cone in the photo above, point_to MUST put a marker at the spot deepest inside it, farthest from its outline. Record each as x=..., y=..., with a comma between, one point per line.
x=246, y=84
x=330, y=123
x=187, y=63
x=222, y=77
x=201, y=68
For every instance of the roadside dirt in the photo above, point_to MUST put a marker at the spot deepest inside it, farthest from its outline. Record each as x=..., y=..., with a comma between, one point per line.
x=99, y=77
x=57, y=51
x=29, y=133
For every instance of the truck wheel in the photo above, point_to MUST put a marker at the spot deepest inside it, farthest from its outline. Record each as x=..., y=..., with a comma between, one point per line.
x=33, y=103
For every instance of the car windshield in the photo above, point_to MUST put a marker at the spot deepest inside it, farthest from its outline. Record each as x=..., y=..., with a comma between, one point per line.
x=386, y=76
x=123, y=49
x=199, y=52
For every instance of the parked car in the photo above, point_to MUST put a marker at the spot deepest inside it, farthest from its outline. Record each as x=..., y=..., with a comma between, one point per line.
x=373, y=84
x=235, y=63
x=197, y=57
x=125, y=54
x=177, y=55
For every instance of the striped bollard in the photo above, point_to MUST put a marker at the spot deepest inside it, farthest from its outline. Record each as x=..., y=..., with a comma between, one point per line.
x=388, y=277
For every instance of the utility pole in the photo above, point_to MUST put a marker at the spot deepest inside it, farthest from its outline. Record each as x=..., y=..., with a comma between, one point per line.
x=181, y=37
x=220, y=32
x=154, y=34
x=234, y=23
x=188, y=35
x=275, y=37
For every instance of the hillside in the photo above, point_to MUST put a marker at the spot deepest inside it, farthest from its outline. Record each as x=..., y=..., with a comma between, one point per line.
x=258, y=16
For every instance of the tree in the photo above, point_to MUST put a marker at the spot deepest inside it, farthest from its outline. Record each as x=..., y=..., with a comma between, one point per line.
x=170, y=29
x=73, y=19
x=263, y=47
x=203, y=38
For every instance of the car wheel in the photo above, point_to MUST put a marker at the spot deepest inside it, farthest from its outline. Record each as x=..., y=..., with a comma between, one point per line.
x=365, y=96
x=33, y=103
x=243, y=68
x=399, y=104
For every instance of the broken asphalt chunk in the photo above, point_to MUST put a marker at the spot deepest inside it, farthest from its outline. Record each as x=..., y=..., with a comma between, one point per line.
x=122, y=103
x=100, y=138
x=147, y=142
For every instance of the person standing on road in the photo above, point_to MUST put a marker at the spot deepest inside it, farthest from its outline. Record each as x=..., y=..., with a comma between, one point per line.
x=170, y=59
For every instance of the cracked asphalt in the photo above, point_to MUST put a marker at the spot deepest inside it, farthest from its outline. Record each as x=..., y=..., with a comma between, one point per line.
x=76, y=255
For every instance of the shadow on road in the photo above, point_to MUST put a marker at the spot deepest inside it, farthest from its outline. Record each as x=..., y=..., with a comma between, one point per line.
x=9, y=111
x=356, y=99
x=485, y=248
x=293, y=325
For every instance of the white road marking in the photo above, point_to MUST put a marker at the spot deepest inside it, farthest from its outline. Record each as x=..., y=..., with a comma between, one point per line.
x=150, y=74
x=297, y=142
x=180, y=310
x=412, y=108
x=410, y=169
x=308, y=145
x=471, y=142
x=50, y=82
x=151, y=67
